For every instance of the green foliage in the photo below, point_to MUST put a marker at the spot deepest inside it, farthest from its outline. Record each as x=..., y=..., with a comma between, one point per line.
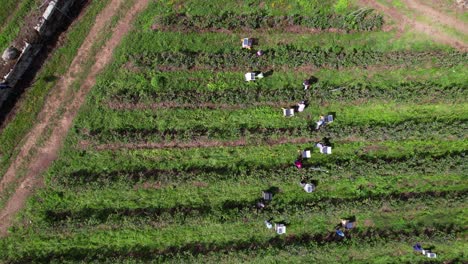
x=364, y=21
x=341, y=6
x=132, y=185
x=288, y=55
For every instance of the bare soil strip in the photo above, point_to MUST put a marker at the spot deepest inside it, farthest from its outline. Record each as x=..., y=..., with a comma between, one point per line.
x=437, y=16
x=39, y=162
x=404, y=21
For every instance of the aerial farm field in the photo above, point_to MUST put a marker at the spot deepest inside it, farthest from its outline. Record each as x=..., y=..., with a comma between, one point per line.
x=167, y=157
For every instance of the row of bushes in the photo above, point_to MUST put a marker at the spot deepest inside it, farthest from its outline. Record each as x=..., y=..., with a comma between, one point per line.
x=228, y=160
x=408, y=129
x=360, y=20
x=231, y=200
x=288, y=55
x=345, y=170
x=145, y=243
x=262, y=119
x=182, y=92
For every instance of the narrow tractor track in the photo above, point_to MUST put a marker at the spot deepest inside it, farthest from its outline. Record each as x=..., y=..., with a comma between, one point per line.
x=404, y=21
x=437, y=16
x=38, y=162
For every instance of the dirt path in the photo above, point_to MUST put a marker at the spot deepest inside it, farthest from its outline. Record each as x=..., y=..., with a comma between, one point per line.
x=403, y=22
x=39, y=162
x=437, y=16
x=54, y=101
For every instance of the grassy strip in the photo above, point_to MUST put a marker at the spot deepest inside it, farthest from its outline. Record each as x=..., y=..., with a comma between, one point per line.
x=233, y=211
x=219, y=198
x=159, y=41
x=216, y=237
x=195, y=138
x=9, y=31
x=449, y=250
x=46, y=217
x=96, y=119
x=121, y=222
x=34, y=98
x=85, y=163
x=180, y=88
x=347, y=171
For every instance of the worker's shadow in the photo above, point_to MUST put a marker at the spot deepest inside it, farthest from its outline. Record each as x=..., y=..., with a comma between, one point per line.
x=327, y=142
x=312, y=80
x=429, y=248
x=306, y=180
x=268, y=73
x=350, y=218
x=273, y=190
x=232, y=204
x=283, y=222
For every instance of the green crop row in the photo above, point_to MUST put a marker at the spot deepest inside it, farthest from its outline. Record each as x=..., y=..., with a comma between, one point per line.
x=346, y=170
x=360, y=20
x=218, y=199
x=213, y=237
x=231, y=160
x=193, y=89
x=154, y=90
x=288, y=55
x=141, y=139
x=272, y=7
x=158, y=41
x=449, y=249
x=48, y=218
x=95, y=120
x=64, y=221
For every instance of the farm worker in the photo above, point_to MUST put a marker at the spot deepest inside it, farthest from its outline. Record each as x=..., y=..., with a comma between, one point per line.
x=306, y=84
x=259, y=53
x=347, y=224
x=260, y=205
x=320, y=122
x=340, y=233
x=4, y=85
x=268, y=224
x=418, y=247
x=301, y=106
x=298, y=164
